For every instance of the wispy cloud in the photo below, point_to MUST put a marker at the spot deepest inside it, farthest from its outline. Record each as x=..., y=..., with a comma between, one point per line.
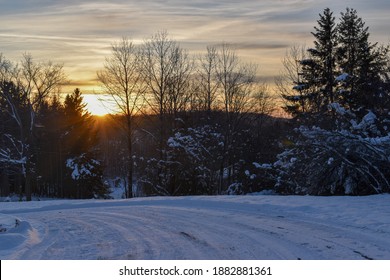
x=79, y=32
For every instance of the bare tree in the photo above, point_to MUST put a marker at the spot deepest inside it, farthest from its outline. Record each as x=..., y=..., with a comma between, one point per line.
x=263, y=100
x=236, y=79
x=287, y=83
x=208, y=82
x=40, y=79
x=24, y=89
x=237, y=82
x=158, y=63
x=167, y=70
x=121, y=78
x=157, y=69
x=178, y=94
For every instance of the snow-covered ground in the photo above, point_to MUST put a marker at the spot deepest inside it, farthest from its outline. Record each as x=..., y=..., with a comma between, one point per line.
x=223, y=227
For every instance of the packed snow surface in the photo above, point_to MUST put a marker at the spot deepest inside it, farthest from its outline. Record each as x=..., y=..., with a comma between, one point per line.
x=221, y=227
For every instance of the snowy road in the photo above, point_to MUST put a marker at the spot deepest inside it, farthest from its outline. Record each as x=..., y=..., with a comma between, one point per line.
x=226, y=227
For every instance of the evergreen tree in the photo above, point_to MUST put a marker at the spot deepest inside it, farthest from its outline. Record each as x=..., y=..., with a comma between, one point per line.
x=361, y=63
x=83, y=170
x=25, y=89
x=79, y=125
x=290, y=85
x=14, y=119
x=324, y=54
x=49, y=165
x=348, y=152
x=316, y=75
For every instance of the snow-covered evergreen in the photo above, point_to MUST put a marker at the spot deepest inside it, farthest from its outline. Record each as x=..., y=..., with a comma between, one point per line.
x=326, y=162
x=340, y=145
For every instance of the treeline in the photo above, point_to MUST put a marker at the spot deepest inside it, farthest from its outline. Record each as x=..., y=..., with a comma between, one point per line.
x=48, y=146
x=200, y=110
x=53, y=147
x=201, y=125
x=193, y=153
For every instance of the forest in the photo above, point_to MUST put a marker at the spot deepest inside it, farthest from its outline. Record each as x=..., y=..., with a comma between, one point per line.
x=204, y=124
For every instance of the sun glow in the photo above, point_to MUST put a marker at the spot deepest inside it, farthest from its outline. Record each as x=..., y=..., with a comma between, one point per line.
x=99, y=104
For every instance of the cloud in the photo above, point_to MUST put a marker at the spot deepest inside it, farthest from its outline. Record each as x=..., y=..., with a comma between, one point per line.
x=79, y=32
x=253, y=46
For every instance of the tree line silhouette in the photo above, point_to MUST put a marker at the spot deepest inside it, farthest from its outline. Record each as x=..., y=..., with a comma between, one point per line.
x=202, y=124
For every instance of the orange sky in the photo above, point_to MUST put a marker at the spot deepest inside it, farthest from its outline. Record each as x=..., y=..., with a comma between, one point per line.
x=79, y=33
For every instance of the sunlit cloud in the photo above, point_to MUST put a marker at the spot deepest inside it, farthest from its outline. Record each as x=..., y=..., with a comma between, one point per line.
x=80, y=33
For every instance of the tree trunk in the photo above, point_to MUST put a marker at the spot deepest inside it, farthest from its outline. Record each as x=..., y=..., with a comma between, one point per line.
x=130, y=158
x=27, y=176
x=130, y=178
x=28, y=186
x=220, y=183
x=4, y=183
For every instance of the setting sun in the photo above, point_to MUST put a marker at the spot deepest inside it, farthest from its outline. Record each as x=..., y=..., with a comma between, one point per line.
x=170, y=131
x=99, y=104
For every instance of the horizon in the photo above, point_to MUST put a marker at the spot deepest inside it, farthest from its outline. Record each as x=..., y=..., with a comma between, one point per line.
x=198, y=158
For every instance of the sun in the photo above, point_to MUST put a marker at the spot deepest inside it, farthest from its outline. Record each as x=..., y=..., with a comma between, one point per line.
x=98, y=104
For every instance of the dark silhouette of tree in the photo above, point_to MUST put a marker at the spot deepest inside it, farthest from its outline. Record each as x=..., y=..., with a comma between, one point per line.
x=84, y=171
x=343, y=149
x=236, y=81
x=362, y=64
x=314, y=77
x=32, y=83
x=122, y=79
x=207, y=79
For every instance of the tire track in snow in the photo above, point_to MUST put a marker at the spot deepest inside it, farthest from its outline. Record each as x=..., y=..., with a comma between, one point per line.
x=177, y=230
x=159, y=233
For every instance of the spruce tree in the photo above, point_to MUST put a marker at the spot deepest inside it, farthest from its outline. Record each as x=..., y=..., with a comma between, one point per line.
x=324, y=54
x=316, y=81
x=49, y=148
x=83, y=170
x=362, y=63
x=347, y=152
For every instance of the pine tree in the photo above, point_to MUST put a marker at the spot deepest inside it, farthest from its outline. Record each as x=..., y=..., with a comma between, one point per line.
x=361, y=63
x=316, y=77
x=79, y=125
x=24, y=90
x=49, y=166
x=347, y=153
x=324, y=54
x=83, y=170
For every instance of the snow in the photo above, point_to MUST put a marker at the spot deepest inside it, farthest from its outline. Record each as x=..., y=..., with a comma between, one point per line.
x=80, y=170
x=370, y=118
x=299, y=87
x=338, y=109
x=262, y=166
x=217, y=227
x=342, y=78
x=368, y=121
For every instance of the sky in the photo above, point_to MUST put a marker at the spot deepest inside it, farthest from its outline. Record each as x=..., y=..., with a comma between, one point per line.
x=79, y=33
